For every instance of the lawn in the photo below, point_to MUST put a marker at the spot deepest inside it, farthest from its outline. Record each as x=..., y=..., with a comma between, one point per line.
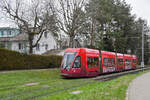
x=30, y=84
x=49, y=85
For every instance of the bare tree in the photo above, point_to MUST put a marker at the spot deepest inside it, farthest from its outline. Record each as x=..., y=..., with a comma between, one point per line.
x=70, y=14
x=34, y=17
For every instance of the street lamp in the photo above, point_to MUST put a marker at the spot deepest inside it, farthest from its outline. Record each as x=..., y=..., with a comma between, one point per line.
x=143, y=30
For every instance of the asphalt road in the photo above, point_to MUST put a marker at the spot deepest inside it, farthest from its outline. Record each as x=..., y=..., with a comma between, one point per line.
x=139, y=89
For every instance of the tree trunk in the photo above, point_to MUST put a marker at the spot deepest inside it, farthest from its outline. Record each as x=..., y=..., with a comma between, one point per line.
x=92, y=33
x=71, y=42
x=91, y=44
x=30, y=50
x=31, y=44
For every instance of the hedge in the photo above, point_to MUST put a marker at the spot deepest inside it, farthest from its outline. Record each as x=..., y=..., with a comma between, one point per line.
x=12, y=60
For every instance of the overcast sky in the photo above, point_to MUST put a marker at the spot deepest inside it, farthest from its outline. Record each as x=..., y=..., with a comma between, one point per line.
x=139, y=7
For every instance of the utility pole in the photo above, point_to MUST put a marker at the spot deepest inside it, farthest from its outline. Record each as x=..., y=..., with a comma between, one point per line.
x=143, y=30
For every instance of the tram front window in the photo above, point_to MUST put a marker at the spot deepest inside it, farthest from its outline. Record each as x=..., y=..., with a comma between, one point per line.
x=67, y=61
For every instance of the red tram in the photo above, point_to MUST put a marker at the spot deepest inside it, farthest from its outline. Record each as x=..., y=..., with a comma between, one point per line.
x=83, y=62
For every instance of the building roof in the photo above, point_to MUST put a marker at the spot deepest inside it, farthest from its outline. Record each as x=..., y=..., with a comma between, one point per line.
x=19, y=37
x=8, y=28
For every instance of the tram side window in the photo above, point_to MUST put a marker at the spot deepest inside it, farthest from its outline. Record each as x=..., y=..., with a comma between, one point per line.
x=92, y=61
x=77, y=62
x=96, y=62
x=134, y=61
x=112, y=61
x=105, y=61
x=89, y=61
x=128, y=62
x=120, y=61
x=108, y=62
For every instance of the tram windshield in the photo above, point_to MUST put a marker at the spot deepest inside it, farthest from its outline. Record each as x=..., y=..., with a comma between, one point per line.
x=68, y=59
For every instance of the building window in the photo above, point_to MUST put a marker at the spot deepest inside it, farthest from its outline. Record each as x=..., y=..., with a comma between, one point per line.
x=2, y=33
x=45, y=34
x=20, y=46
x=5, y=32
x=9, y=32
x=46, y=47
x=38, y=47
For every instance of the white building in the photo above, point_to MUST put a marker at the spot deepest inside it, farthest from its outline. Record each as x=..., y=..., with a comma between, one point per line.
x=46, y=43
x=12, y=39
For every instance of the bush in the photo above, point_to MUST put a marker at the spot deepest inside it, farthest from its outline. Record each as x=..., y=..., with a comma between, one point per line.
x=12, y=60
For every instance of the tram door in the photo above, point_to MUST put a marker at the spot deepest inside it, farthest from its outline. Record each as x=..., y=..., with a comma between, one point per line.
x=92, y=65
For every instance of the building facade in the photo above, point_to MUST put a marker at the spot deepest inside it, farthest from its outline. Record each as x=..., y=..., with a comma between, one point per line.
x=13, y=39
x=8, y=32
x=46, y=43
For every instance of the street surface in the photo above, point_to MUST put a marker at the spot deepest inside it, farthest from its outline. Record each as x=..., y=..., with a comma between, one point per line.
x=139, y=89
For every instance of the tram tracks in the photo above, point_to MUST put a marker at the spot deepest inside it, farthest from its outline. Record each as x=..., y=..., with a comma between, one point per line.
x=22, y=95
x=105, y=77
x=111, y=76
x=25, y=94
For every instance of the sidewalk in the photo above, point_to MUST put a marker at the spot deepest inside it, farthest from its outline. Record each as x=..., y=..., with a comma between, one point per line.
x=139, y=89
